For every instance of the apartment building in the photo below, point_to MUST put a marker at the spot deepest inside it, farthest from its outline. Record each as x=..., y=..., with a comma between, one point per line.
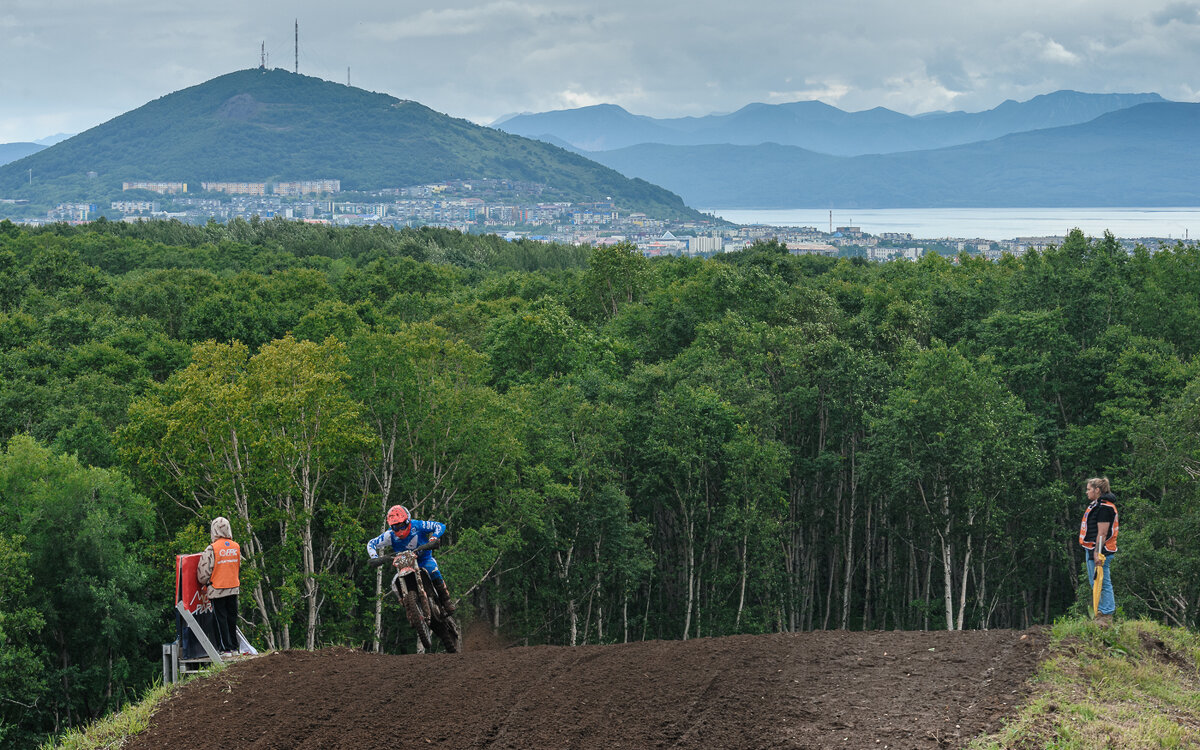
x=235, y=188
x=163, y=188
x=307, y=187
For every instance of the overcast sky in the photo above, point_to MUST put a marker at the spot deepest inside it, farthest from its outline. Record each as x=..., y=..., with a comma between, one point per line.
x=67, y=65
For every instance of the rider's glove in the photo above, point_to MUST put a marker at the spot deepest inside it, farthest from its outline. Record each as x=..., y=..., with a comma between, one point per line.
x=433, y=543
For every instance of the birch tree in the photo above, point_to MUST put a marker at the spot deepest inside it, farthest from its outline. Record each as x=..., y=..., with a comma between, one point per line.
x=956, y=442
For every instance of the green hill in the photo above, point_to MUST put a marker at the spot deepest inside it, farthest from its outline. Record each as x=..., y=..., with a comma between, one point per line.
x=263, y=125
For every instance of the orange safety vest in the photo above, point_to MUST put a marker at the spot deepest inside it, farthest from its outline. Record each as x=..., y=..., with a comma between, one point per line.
x=1110, y=544
x=228, y=557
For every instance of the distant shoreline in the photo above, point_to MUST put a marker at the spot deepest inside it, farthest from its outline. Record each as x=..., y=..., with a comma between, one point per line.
x=1171, y=223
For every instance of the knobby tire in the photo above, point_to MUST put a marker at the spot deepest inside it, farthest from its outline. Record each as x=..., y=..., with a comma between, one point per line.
x=446, y=630
x=412, y=608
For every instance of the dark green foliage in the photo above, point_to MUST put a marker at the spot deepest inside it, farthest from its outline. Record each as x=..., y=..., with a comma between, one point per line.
x=623, y=448
x=83, y=564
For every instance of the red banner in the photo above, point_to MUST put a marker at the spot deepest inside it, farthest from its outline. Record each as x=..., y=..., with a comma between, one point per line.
x=187, y=589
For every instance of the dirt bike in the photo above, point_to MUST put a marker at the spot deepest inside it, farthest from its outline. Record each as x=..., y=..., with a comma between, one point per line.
x=414, y=588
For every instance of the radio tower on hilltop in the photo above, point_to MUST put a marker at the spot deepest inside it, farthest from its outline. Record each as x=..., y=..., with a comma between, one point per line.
x=297, y=70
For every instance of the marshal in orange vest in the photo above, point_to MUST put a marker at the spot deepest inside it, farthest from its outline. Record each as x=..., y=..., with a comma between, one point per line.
x=1110, y=544
x=227, y=562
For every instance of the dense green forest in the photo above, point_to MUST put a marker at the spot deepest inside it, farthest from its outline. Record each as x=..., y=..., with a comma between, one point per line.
x=623, y=448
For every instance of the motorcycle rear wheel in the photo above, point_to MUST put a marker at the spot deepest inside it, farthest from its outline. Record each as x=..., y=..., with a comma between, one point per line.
x=416, y=618
x=446, y=629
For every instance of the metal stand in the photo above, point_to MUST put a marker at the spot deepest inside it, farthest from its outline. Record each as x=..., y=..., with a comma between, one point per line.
x=170, y=656
x=198, y=631
x=176, y=668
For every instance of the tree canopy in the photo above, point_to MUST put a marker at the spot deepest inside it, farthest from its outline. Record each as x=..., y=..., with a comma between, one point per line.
x=622, y=448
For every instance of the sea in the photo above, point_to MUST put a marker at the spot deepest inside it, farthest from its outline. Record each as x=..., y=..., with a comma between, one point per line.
x=983, y=223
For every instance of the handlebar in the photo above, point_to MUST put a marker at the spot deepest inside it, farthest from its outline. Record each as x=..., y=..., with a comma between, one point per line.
x=376, y=562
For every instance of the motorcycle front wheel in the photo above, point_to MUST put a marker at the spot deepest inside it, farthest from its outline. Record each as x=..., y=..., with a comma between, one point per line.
x=416, y=618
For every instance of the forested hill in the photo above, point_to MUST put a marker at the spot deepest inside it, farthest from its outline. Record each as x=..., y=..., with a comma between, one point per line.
x=623, y=448
x=263, y=125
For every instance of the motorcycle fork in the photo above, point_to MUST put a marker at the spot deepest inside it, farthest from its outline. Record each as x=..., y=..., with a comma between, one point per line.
x=424, y=595
x=400, y=588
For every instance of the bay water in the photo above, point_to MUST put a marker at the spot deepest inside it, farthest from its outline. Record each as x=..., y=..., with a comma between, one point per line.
x=984, y=223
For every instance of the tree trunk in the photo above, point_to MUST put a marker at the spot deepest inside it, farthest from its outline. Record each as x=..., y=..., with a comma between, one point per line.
x=496, y=606
x=848, y=573
x=310, y=585
x=928, y=590
x=689, y=570
x=737, y=622
x=947, y=556
x=625, y=616
x=962, y=596
x=573, y=619
x=378, y=633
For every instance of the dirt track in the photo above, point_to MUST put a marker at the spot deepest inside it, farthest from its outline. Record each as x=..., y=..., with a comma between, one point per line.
x=806, y=690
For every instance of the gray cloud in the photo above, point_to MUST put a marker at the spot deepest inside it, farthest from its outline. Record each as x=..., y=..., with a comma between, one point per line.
x=1188, y=13
x=946, y=68
x=70, y=64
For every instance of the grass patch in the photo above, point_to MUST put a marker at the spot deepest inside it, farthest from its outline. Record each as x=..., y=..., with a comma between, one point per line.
x=111, y=732
x=1134, y=685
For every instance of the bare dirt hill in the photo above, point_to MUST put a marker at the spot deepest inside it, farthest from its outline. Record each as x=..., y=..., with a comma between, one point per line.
x=804, y=690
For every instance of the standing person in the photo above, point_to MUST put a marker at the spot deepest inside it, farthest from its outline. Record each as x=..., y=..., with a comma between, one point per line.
x=1098, y=536
x=219, y=568
x=406, y=533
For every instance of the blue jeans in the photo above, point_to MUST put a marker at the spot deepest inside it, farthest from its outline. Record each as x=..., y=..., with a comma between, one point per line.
x=1108, y=603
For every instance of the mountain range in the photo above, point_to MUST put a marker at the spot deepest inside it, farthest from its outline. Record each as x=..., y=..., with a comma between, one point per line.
x=261, y=125
x=816, y=126
x=19, y=150
x=1061, y=149
x=1146, y=155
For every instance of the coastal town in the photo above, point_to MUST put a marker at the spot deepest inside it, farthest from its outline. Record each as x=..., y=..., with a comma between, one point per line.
x=513, y=210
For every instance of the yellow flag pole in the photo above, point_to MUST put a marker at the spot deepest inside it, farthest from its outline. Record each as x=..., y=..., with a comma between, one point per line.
x=1097, y=584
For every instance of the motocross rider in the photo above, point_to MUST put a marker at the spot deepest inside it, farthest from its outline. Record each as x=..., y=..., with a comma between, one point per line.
x=407, y=533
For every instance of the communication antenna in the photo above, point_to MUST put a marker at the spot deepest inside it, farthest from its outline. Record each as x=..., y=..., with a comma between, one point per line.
x=297, y=46
x=347, y=75
x=262, y=56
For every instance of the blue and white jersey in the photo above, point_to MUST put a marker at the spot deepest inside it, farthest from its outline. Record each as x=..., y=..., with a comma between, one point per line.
x=418, y=535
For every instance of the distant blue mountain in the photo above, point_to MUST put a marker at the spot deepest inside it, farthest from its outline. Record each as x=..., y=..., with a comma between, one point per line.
x=1147, y=155
x=13, y=151
x=50, y=140
x=817, y=126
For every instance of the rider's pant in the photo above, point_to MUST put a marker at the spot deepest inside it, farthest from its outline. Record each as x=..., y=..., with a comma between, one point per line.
x=429, y=565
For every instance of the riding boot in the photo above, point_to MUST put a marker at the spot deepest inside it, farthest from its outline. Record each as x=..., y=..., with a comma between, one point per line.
x=444, y=596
